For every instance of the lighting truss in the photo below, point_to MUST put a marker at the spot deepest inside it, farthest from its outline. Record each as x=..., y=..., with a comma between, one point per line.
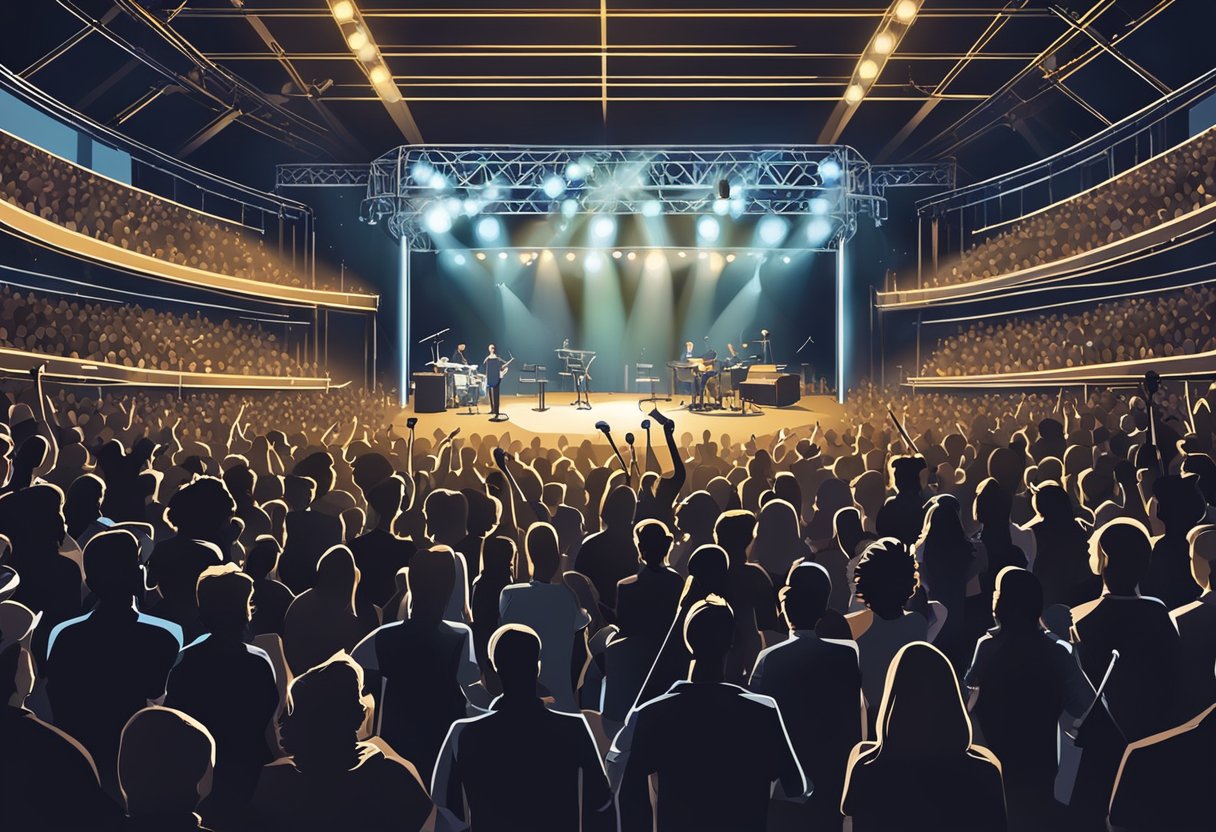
x=509, y=180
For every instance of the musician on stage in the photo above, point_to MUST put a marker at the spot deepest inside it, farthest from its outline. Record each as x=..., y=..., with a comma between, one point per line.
x=495, y=367
x=458, y=357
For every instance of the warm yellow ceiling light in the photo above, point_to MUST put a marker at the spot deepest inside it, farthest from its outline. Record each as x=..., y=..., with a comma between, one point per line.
x=344, y=11
x=884, y=43
x=357, y=40
x=905, y=11
x=379, y=75
x=867, y=69
x=854, y=93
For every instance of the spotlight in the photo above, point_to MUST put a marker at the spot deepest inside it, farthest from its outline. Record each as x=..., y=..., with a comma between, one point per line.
x=616, y=255
x=633, y=255
x=682, y=254
x=651, y=208
x=357, y=39
x=453, y=205
x=603, y=227
x=867, y=69
x=422, y=173
x=344, y=11
x=818, y=231
x=570, y=256
x=730, y=258
x=438, y=182
x=771, y=230
x=459, y=260
x=366, y=53
x=854, y=93
x=723, y=189
x=472, y=207
x=524, y=258
x=820, y=206
x=786, y=259
x=829, y=170
x=737, y=207
x=481, y=255
x=437, y=220
x=554, y=187
x=593, y=262
x=703, y=255
x=905, y=11
x=502, y=255
x=492, y=192
x=654, y=260
x=379, y=75
x=721, y=207
x=575, y=172
x=884, y=43
x=569, y=208
x=488, y=229
x=708, y=229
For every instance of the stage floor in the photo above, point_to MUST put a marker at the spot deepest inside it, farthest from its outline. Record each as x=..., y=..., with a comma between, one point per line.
x=621, y=412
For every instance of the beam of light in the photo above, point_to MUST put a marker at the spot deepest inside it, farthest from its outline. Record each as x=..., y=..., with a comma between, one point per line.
x=650, y=330
x=708, y=229
x=740, y=313
x=771, y=230
x=403, y=323
x=488, y=229
x=602, y=321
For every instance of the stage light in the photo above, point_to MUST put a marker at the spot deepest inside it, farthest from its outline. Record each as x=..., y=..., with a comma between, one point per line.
x=786, y=259
x=524, y=258
x=453, y=205
x=682, y=254
x=905, y=11
x=459, y=260
x=867, y=69
x=654, y=260
x=438, y=182
x=721, y=207
x=488, y=229
x=357, y=39
x=708, y=229
x=737, y=207
x=593, y=262
x=437, y=220
x=422, y=173
x=481, y=255
x=616, y=255
x=818, y=231
x=730, y=258
x=554, y=187
x=854, y=93
x=570, y=256
x=703, y=255
x=379, y=75
x=472, y=207
x=633, y=255
x=575, y=172
x=829, y=170
x=344, y=11
x=569, y=208
x=651, y=208
x=492, y=192
x=603, y=228
x=820, y=206
x=884, y=43
x=771, y=230
x=546, y=255
x=366, y=53
x=502, y=255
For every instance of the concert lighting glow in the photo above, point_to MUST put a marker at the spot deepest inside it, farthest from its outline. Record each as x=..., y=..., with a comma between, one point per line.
x=818, y=231
x=829, y=170
x=652, y=208
x=593, y=262
x=708, y=230
x=554, y=187
x=771, y=230
x=602, y=228
x=488, y=229
x=437, y=219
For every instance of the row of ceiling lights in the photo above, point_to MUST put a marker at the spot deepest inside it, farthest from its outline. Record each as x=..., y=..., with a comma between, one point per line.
x=887, y=37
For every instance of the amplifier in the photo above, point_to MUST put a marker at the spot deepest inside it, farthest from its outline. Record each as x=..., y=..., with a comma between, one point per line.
x=430, y=394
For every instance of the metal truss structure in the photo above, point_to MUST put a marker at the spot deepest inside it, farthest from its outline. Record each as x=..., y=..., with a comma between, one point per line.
x=322, y=176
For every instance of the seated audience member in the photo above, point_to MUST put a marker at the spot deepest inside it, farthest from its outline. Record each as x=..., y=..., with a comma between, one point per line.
x=1022, y=681
x=228, y=685
x=325, y=619
x=923, y=771
x=48, y=780
x=271, y=599
x=165, y=765
x=816, y=682
x=380, y=553
x=884, y=579
x=330, y=779
x=1165, y=780
x=749, y=592
x=1141, y=696
x=495, y=763
x=717, y=749
x=552, y=611
x=418, y=668
x=107, y=664
x=1196, y=623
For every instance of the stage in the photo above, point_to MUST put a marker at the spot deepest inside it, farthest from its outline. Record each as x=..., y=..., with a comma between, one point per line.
x=621, y=412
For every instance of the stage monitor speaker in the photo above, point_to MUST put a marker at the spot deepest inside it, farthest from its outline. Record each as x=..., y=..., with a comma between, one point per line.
x=429, y=393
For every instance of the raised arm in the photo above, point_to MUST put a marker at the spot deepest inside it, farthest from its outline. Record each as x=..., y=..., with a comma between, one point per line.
x=538, y=508
x=670, y=486
x=44, y=425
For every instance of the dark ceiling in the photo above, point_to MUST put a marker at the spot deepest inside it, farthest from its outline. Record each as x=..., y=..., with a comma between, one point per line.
x=994, y=83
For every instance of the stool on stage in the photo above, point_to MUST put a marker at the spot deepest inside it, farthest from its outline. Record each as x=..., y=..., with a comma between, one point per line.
x=535, y=374
x=644, y=374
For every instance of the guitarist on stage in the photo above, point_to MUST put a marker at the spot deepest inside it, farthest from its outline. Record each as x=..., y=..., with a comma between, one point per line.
x=496, y=368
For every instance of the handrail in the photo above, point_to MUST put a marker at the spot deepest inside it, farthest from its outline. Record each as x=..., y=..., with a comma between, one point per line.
x=1185, y=366
x=1079, y=153
x=52, y=234
x=82, y=371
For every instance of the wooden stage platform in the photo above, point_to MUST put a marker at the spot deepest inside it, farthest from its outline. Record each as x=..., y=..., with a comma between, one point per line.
x=621, y=412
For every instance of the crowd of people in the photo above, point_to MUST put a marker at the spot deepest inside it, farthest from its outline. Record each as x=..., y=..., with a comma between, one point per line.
x=112, y=212
x=292, y=612
x=1157, y=191
x=1154, y=325
x=137, y=336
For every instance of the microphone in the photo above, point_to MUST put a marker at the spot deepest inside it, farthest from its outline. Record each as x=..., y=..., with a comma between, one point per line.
x=602, y=426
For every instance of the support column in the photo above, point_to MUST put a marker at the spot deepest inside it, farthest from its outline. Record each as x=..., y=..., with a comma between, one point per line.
x=403, y=323
x=841, y=305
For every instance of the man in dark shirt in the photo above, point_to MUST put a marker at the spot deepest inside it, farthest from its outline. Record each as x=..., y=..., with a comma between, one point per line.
x=716, y=748
x=903, y=515
x=646, y=602
x=749, y=592
x=107, y=664
x=380, y=553
x=494, y=370
x=817, y=684
x=520, y=766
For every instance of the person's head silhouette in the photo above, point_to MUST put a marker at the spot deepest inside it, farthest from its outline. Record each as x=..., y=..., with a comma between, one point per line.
x=325, y=710
x=709, y=629
x=225, y=600
x=1202, y=540
x=430, y=579
x=540, y=545
x=1180, y=504
x=653, y=542
x=734, y=531
x=263, y=557
x=203, y=509
x=337, y=575
x=17, y=623
x=165, y=763
x=922, y=713
x=906, y=474
x=886, y=577
x=447, y=516
x=1017, y=602
x=848, y=529
x=708, y=572
x=384, y=501
x=515, y=653
x=498, y=555
x=617, y=507
x=804, y=598
x=1120, y=552
x=111, y=567
x=33, y=520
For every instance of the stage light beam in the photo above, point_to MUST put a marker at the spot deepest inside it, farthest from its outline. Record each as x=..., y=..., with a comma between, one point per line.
x=488, y=229
x=771, y=230
x=708, y=229
x=603, y=228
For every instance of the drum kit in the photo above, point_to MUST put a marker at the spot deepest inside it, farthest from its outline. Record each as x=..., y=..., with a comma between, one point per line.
x=465, y=386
